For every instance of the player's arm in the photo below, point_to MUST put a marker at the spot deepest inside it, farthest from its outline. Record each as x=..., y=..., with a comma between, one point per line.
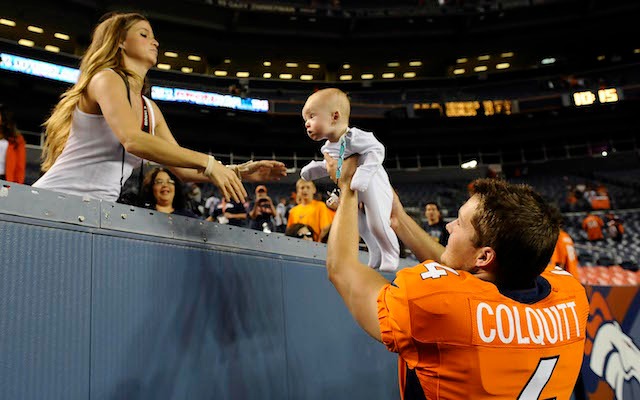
x=412, y=235
x=357, y=284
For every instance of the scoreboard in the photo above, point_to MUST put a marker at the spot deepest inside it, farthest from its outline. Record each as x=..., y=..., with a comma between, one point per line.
x=465, y=108
x=588, y=97
x=489, y=108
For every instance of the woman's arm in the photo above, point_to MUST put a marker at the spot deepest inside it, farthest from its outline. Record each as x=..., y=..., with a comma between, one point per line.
x=106, y=88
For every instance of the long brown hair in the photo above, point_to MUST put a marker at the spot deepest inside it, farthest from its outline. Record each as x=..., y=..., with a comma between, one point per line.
x=104, y=52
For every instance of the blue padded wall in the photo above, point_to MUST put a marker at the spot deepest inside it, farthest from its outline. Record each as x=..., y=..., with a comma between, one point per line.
x=329, y=356
x=104, y=301
x=178, y=322
x=44, y=312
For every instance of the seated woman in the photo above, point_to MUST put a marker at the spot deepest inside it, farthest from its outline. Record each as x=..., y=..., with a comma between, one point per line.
x=301, y=231
x=159, y=193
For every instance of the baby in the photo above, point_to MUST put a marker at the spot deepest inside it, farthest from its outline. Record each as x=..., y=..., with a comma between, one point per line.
x=326, y=116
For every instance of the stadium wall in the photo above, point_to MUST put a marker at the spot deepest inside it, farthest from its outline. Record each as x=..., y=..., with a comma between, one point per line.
x=105, y=301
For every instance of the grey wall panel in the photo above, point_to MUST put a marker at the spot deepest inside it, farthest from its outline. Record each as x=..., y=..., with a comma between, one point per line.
x=44, y=312
x=178, y=322
x=329, y=356
x=27, y=201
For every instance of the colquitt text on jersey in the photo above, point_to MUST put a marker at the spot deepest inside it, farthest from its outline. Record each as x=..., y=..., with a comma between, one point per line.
x=499, y=323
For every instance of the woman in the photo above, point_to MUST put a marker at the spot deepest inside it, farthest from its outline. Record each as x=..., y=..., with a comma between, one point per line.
x=159, y=191
x=13, y=152
x=94, y=139
x=301, y=231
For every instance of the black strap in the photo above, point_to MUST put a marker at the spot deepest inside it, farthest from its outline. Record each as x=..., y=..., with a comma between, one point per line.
x=126, y=83
x=146, y=127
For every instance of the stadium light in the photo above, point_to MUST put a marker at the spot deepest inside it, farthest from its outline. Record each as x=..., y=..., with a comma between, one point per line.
x=35, y=29
x=469, y=164
x=7, y=22
x=26, y=42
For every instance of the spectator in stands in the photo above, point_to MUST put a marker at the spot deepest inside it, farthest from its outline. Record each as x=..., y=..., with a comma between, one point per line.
x=211, y=203
x=162, y=191
x=435, y=226
x=310, y=212
x=281, y=215
x=572, y=200
x=301, y=231
x=614, y=227
x=94, y=139
x=230, y=212
x=262, y=215
x=326, y=114
x=13, y=152
x=445, y=312
x=194, y=202
x=592, y=225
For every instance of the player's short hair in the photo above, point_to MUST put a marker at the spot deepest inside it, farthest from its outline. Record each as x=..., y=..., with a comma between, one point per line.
x=519, y=225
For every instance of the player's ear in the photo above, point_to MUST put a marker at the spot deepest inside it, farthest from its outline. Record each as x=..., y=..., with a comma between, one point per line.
x=335, y=116
x=486, y=258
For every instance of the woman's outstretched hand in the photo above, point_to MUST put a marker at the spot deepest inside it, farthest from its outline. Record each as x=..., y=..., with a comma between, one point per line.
x=227, y=181
x=262, y=171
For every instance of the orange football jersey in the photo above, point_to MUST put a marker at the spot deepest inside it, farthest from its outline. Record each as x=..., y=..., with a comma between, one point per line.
x=564, y=255
x=593, y=224
x=463, y=339
x=315, y=214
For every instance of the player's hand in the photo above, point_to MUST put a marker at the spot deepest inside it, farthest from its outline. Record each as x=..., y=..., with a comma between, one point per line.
x=349, y=166
x=396, y=209
x=262, y=171
x=228, y=182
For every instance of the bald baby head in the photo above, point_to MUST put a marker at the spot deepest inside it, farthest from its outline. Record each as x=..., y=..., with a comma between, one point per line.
x=326, y=114
x=335, y=99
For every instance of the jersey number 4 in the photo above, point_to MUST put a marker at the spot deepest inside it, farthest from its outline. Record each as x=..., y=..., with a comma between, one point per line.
x=539, y=379
x=435, y=271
